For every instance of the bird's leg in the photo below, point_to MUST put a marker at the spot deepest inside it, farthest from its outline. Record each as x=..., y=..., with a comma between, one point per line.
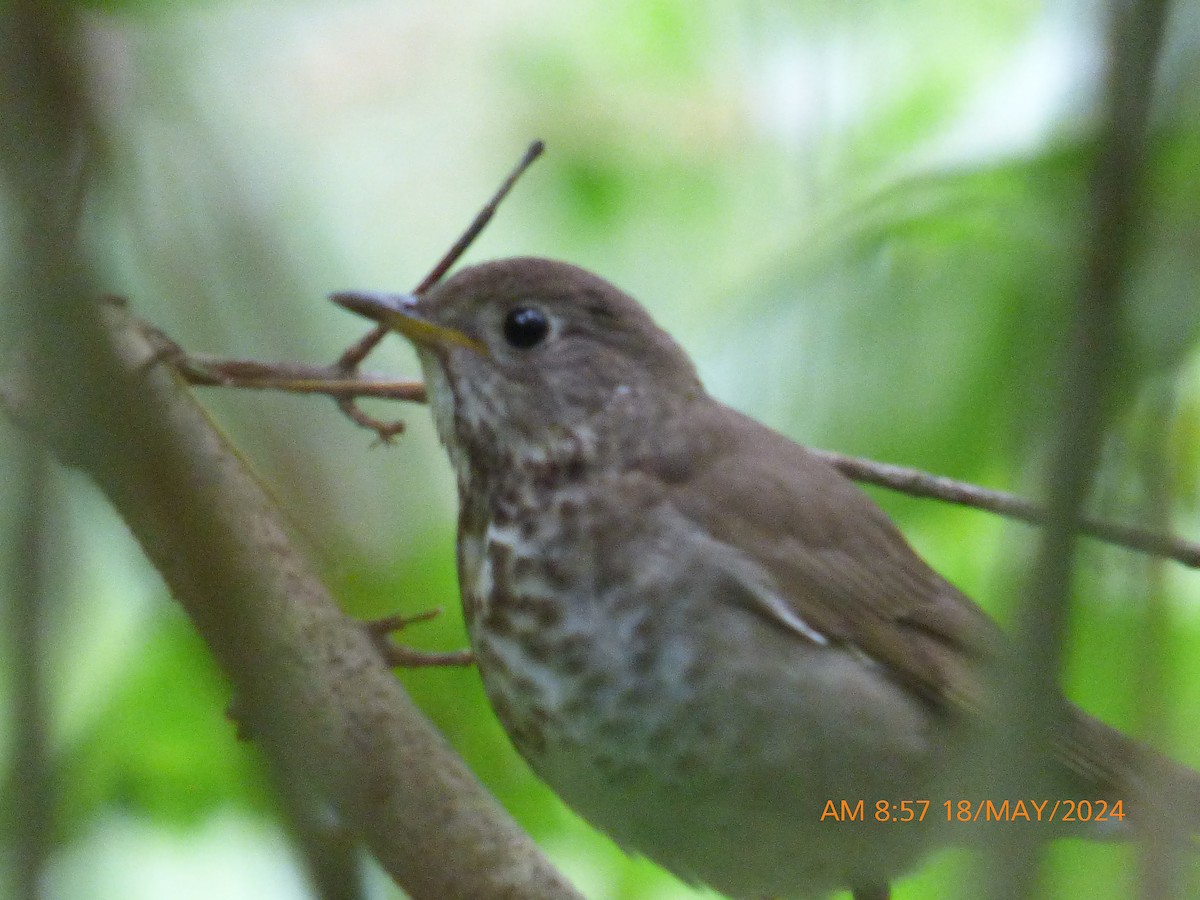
x=398, y=656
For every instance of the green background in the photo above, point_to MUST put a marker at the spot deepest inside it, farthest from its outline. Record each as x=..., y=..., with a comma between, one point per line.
x=864, y=220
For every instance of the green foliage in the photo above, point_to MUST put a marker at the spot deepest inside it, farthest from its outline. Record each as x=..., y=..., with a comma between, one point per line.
x=770, y=178
x=969, y=271
x=162, y=747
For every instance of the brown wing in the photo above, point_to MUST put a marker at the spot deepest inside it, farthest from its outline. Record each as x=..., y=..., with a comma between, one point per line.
x=847, y=574
x=836, y=559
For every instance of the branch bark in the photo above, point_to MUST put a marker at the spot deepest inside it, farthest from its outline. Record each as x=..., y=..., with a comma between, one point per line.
x=310, y=682
x=336, y=725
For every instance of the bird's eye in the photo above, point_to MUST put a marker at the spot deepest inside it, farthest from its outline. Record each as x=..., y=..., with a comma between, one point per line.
x=525, y=327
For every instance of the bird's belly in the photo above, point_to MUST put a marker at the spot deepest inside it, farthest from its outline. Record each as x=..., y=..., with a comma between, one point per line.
x=701, y=762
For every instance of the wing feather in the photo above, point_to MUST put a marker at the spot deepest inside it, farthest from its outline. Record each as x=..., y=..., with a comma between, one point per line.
x=835, y=563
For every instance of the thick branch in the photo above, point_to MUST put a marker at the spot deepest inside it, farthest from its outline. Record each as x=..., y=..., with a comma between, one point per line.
x=42, y=122
x=337, y=727
x=310, y=681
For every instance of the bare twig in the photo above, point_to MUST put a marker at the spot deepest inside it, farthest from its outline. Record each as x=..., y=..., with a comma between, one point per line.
x=923, y=484
x=200, y=369
x=296, y=378
x=1163, y=846
x=341, y=384
x=480, y=222
x=353, y=356
x=31, y=775
x=1032, y=715
x=349, y=361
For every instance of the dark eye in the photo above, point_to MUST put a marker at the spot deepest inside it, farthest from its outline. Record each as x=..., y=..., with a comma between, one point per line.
x=525, y=327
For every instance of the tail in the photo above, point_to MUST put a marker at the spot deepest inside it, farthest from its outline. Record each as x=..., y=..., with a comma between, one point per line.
x=1146, y=790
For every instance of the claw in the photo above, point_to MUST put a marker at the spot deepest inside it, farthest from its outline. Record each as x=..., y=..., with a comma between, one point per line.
x=398, y=656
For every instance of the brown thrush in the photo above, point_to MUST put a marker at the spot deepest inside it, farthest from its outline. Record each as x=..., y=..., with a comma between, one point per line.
x=696, y=632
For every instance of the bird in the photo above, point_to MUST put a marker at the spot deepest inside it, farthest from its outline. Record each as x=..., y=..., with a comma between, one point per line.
x=699, y=634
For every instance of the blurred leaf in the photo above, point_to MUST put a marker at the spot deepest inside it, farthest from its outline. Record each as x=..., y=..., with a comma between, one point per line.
x=747, y=171
x=946, y=296
x=163, y=748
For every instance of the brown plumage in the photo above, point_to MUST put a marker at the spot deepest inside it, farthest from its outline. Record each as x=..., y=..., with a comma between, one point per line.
x=694, y=630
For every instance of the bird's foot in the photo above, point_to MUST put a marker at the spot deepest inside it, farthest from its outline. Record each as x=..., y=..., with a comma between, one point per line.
x=398, y=656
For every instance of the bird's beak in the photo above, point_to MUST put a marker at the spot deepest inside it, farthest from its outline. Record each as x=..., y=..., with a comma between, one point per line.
x=400, y=312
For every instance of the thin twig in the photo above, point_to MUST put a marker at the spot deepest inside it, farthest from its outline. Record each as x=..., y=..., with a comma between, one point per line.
x=485, y=215
x=203, y=370
x=1166, y=833
x=923, y=484
x=384, y=431
x=296, y=378
x=350, y=360
x=357, y=352
x=31, y=774
x=1031, y=717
